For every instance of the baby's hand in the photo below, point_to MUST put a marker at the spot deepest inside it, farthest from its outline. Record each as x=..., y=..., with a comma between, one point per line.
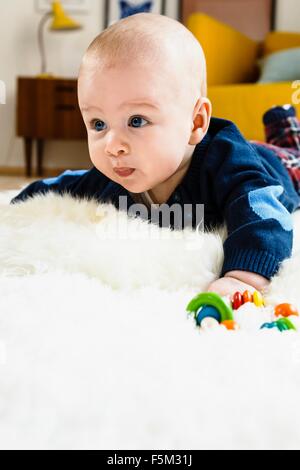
x=229, y=286
x=239, y=281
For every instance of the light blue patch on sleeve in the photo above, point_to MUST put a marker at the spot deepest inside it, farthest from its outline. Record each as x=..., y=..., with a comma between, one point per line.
x=58, y=178
x=265, y=204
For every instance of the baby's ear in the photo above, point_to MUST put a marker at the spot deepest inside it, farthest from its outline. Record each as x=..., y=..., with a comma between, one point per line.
x=202, y=115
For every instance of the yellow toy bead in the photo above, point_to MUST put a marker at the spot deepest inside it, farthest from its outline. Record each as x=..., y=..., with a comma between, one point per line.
x=258, y=299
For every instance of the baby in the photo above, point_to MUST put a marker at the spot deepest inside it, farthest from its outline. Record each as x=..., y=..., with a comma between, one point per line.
x=143, y=97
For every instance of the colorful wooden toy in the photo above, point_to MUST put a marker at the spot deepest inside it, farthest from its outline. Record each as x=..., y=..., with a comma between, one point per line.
x=207, y=311
x=258, y=299
x=282, y=324
x=211, y=310
x=285, y=324
x=230, y=324
x=247, y=296
x=285, y=310
x=211, y=299
x=269, y=326
x=237, y=300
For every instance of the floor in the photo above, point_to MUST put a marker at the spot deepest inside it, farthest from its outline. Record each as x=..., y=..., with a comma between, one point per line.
x=14, y=182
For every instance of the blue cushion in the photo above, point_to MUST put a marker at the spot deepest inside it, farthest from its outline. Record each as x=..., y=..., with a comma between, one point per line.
x=282, y=66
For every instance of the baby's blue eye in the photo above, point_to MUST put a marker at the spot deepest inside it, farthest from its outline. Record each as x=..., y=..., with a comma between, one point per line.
x=136, y=120
x=97, y=125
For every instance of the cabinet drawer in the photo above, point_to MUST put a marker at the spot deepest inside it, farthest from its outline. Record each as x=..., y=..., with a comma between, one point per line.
x=48, y=109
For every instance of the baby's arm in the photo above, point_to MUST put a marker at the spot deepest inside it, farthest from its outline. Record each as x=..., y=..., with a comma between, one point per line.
x=257, y=281
x=56, y=184
x=81, y=183
x=257, y=211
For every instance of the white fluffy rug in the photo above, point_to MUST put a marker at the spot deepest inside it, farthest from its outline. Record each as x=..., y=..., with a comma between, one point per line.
x=97, y=351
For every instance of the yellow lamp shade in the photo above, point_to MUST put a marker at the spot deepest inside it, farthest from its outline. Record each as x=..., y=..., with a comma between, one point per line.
x=60, y=20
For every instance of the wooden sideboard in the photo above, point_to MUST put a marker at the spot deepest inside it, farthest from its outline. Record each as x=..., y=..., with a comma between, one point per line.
x=47, y=108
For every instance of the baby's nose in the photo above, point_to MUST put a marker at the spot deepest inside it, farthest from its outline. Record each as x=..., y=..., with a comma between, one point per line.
x=116, y=146
x=116, y=151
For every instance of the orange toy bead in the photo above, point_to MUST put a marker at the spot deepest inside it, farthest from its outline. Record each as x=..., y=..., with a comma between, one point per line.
x=247, y=296
x=285, y=310
x=237, y=300
x=230, y=324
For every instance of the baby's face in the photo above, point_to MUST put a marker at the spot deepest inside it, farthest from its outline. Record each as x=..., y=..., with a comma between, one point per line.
x=134, y=121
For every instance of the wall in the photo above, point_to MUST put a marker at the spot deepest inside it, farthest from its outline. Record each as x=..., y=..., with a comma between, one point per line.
x=19, y=56
x=288, y=15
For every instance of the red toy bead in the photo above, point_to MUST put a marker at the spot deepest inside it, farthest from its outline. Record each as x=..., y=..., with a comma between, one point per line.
x=237, y=300
x=285, y=310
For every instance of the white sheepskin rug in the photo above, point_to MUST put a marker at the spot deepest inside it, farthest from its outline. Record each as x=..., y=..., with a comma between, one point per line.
x=97, y=350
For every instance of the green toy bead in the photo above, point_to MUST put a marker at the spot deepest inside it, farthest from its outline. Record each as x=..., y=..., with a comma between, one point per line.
x=283, y=324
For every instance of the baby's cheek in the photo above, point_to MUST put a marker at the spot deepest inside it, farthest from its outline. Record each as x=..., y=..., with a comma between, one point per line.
x=96, y=154
x=91, y=148
x=160, y=169
x=95, y=160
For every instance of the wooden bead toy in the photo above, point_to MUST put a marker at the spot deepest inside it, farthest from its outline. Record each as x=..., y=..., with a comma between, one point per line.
x=211, y=310
x=258, y=299
x=205, y=312
x=285, y=310
x=247, y=296
x=230, y=324
x=282, y=324
x=237, y=300
x=209, y=305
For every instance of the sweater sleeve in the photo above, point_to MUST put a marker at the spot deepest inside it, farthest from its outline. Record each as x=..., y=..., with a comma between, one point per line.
x=260, y=227
x=78, y=183
x=57, y=184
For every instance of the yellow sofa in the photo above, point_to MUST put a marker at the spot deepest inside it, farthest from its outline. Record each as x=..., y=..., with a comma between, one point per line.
x=232, y=70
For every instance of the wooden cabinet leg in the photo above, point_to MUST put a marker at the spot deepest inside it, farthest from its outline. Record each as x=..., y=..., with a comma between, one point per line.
x=39, y=153
x=28, y=155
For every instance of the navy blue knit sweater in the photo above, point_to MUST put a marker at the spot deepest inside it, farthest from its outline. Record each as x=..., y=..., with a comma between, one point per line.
x=244, y=185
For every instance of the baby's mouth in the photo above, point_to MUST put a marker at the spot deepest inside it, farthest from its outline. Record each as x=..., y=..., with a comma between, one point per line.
x=124, y=172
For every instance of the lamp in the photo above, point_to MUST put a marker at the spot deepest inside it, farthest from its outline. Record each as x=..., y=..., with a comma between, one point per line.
x=60, y=22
